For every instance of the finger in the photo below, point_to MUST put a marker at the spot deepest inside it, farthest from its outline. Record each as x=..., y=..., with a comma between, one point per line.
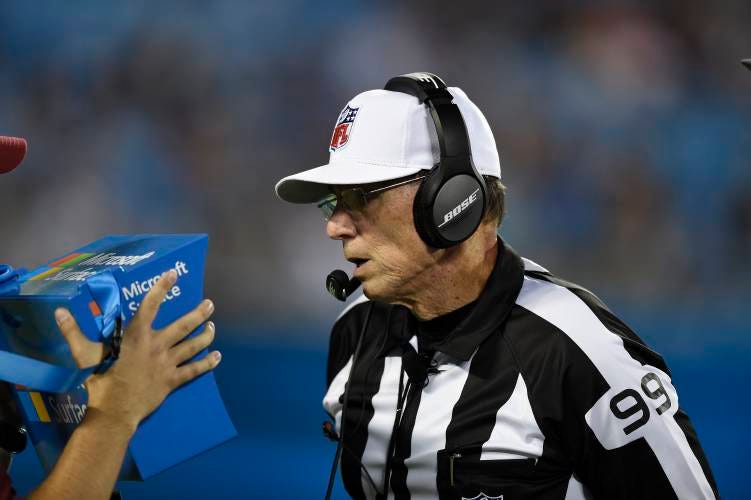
x=181, y=327
x=152, y=301
x=186, y=350
x=188, y=372
x=85, y=352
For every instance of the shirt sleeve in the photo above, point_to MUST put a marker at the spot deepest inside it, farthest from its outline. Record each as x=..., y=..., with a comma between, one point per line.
x=341, y=349
x=635, y=441
x=607, y=399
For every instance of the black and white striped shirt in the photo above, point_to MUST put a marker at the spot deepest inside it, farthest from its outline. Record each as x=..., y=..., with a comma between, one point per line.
x=540, y=392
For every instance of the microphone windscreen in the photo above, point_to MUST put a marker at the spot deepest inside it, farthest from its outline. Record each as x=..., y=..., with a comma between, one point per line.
x=12, y=152
x=352, y=285
x=336, y=284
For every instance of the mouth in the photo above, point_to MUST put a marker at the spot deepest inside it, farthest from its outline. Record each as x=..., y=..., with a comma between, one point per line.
x=357, y=262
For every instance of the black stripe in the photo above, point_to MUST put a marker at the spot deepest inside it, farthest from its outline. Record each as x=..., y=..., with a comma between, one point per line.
x=564, y=384
x=343, y=340
x=642, y=353
x=403, y=440
x=546, y=355
x=693, y=441
x=365, y=380
x=638, y=350
x=365, y=383
x=634, y=345
x=491, y=380
x=629, y=472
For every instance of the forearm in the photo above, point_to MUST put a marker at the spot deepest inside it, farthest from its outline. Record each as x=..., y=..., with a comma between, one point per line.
x=91, y=461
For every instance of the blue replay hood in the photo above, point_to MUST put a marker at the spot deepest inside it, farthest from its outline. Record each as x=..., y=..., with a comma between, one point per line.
x=99, y=283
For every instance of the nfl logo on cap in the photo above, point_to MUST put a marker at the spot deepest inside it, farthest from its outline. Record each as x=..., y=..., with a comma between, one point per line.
x=343, y=128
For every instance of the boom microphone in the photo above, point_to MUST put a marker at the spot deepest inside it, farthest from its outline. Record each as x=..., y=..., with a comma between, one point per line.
x=340, y=285
x=12, y=152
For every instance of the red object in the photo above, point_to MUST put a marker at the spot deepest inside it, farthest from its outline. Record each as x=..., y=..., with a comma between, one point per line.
x=94, y=308
x=340, y=136
x=12, y=152
x=6, y=488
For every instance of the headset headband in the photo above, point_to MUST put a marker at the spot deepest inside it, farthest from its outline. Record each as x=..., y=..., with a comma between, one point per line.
x=450, y=202
x=449, y=124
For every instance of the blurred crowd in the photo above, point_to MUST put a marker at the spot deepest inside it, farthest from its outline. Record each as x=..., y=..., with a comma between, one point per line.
x=624, y=130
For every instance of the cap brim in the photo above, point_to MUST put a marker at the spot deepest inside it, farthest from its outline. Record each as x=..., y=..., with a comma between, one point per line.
x=747, y=63
x=312, y=185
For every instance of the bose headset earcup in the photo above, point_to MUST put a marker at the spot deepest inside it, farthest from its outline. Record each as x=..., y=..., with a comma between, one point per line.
x=450, y=203
x=457, y=209
x=422, y=208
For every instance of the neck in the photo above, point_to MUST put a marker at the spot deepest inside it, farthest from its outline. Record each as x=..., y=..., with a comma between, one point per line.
x=457, y=278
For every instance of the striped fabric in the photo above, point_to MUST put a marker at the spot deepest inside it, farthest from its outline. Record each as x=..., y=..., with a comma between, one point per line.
x=540, y=392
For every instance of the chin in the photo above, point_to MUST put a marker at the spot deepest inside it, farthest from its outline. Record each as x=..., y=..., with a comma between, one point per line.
x=368, y=291
x=371, y=290
x=377, y=291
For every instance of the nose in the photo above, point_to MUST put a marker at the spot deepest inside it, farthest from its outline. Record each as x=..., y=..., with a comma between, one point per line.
x=340, y=225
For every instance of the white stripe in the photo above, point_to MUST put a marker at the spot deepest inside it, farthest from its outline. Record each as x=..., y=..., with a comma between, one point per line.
x=533, y=266
x=379, y=428
x=433, y=417
x=567, y=312
x=331, y=400
x=515, y=433
x=576, y=490
x=359, y=300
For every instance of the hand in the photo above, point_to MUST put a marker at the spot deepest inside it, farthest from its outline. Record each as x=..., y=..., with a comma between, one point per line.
x=149, y=365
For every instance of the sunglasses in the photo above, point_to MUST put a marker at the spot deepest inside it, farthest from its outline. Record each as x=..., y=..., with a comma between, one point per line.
x=355, y=199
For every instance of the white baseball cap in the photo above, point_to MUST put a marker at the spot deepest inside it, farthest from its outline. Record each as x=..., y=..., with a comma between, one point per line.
x=382, y=135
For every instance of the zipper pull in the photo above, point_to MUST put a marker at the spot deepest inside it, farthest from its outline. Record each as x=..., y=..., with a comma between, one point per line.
x=451, y=466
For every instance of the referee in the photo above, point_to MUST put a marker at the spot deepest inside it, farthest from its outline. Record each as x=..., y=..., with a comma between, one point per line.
x=466, y=371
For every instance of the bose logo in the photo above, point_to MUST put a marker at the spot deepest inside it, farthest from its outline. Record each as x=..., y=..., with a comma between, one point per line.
x=459, y=208
x=424, y=77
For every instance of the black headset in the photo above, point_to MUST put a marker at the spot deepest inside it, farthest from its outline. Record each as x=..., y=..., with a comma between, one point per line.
x=450, y=202
x=448, y=207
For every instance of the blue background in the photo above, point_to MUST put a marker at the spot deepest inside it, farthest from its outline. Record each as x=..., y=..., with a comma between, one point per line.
x=274, y=394
x=623, y=128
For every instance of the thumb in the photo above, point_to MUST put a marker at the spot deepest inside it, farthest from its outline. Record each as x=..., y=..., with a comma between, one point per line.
x=85, y=352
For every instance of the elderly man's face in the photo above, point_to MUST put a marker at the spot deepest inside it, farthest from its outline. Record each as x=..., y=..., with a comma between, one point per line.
x=381, y=240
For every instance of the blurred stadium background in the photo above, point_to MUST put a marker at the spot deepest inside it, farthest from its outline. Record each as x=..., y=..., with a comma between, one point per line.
x=624, y=130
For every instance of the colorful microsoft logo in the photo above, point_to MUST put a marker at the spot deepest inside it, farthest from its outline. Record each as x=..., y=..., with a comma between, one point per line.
x=70, y=260
x=60, y=264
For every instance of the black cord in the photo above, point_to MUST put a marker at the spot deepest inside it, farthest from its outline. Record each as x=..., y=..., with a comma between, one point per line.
x=332, y=474
x=401, y=398
x=329, y=432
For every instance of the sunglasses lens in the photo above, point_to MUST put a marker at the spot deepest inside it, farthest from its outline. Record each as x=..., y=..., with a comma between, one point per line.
x=328, y=206
x=353, y=199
